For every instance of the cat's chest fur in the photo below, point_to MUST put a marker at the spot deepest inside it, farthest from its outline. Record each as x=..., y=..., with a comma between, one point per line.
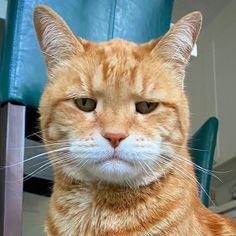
x=101, y=212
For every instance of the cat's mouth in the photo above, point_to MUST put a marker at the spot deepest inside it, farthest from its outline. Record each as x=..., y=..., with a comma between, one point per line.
x=115, y=157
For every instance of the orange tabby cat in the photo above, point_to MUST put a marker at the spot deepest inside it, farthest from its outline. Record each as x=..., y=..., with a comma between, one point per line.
x=115, y=120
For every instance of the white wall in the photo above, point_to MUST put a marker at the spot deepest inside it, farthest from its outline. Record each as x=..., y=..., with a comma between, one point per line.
x=34, y=213
x=211, y=80
x=209, y=8
x=3, y=6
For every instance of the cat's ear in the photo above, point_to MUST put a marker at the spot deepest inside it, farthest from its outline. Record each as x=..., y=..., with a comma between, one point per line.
x=56, y=40
x=176, y=45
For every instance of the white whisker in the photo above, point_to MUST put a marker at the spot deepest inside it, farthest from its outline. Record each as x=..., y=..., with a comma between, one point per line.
x=36, y=156
x=190, y=178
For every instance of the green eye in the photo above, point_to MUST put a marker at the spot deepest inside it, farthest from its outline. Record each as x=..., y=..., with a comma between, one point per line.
x=86, y=104
x=146, y=107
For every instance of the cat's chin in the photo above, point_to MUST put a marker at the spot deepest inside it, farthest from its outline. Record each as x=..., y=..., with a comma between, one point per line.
x=113, y=171
x=121, y=173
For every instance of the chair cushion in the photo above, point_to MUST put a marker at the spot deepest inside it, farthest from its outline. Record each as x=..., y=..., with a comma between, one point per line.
x=22, y=71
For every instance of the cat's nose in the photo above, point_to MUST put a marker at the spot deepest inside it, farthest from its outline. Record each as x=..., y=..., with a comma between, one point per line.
x=115, y=138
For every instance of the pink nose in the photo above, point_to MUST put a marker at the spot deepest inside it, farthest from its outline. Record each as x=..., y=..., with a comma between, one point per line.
x=114, y=138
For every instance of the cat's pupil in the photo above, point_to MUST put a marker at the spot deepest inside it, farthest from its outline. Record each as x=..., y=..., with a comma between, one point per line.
x=84, y=101
x=148, y=104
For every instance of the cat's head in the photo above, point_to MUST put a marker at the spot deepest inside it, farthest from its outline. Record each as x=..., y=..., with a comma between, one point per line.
x=116, y=111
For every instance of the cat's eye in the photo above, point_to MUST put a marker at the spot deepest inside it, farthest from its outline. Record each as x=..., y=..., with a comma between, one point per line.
x=146, y=107
x=86, y=104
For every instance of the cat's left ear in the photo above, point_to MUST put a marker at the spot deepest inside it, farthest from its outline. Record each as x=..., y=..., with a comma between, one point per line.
x=176, y=45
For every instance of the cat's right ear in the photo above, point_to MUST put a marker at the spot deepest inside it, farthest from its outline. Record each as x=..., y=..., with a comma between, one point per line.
x=56, y=40
x=175, y=47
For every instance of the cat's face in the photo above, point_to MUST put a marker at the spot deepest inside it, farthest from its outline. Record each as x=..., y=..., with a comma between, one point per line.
x=116, y=111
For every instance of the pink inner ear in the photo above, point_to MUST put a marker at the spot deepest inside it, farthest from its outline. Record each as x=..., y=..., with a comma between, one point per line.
x=56, y=40
x=176, y=45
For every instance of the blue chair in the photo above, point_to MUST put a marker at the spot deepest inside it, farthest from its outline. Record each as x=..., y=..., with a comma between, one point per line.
x=22, y=72
x=202, y=147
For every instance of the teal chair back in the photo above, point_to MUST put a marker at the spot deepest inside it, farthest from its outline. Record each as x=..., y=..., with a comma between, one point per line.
x=22, y=71
x=202, y=147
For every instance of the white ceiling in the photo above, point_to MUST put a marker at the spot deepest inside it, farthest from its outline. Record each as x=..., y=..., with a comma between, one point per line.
x=209, y=8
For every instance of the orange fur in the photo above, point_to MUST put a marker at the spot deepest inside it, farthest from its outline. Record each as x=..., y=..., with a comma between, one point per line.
x=149, y=186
